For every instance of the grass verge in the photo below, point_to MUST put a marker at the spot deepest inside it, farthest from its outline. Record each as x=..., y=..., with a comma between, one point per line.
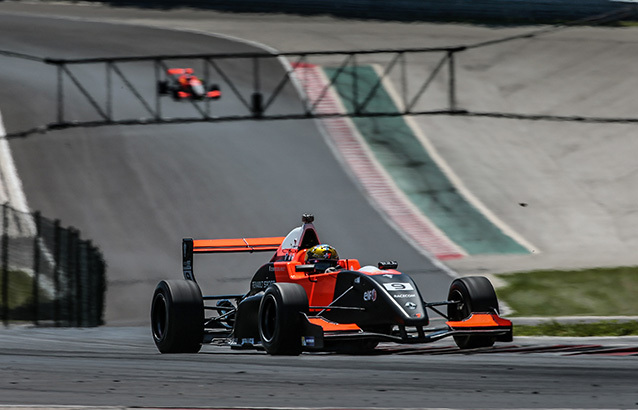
x=20, y=289
x=553, y=328
x=590, y=292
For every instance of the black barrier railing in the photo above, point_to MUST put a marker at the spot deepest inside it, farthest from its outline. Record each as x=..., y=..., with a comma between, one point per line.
x=126, y=90
x=49, y=275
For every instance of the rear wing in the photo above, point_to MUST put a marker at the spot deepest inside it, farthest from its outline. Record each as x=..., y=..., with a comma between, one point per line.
x=179, y=71
x=191, y=246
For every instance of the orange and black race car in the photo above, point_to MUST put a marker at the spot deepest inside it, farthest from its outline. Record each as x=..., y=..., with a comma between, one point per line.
x=181, y=83
x=306, y=298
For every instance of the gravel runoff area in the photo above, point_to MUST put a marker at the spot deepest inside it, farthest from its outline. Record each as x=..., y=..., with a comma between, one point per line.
x=567, y=188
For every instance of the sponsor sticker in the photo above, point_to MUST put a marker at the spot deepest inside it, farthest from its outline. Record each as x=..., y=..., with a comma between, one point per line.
x=370, y=295
x=261, y=284
x=404, y=295
x=398, y=286
x=307, y=341
x=188, y=270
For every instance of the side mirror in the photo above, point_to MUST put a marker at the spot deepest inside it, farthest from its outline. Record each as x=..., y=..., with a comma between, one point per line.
x=305, y=268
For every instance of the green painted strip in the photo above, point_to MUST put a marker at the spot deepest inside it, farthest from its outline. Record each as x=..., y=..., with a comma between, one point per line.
x=399, y=151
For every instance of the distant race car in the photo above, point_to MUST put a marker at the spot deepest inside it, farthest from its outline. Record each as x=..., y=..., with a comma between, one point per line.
x=181, y=84
x=308, y=299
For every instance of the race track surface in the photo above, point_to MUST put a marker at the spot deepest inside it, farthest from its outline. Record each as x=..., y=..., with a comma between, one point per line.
x=120, y=367
x=137, y=191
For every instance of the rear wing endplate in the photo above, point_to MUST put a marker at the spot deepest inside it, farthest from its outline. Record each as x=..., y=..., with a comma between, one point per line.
x=191, y=246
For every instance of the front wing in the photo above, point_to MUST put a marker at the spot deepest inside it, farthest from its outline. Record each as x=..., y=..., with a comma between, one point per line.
x=317, y=330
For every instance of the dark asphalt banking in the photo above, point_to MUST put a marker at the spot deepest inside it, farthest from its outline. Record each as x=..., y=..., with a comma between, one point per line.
x=137, y=191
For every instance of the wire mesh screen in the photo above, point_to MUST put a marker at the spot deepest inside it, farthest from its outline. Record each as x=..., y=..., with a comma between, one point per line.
x=48, y=274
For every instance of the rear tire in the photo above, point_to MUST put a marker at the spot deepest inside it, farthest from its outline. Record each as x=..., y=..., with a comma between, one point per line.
x=177, y=316
x=475, y=294
x=162, y=87
x=280, y=318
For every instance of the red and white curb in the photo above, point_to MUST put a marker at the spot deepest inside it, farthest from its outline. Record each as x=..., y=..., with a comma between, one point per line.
x=352, y=149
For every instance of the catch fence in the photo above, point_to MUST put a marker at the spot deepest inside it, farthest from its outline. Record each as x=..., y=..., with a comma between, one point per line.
x=48, y=274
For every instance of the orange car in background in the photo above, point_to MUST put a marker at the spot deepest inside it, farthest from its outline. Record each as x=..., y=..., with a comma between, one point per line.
x=181, y=83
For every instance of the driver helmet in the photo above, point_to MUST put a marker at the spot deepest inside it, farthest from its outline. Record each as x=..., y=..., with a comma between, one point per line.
x=320, y=253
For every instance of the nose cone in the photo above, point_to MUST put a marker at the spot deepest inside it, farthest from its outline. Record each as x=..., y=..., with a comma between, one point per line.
x=198, y=89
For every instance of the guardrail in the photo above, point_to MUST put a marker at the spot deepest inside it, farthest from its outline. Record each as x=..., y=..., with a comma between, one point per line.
x=48, y=275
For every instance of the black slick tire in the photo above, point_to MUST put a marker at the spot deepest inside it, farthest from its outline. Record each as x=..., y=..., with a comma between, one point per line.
x=177, y=316
x=162, y=87
x=280, y=318
x=475, y=294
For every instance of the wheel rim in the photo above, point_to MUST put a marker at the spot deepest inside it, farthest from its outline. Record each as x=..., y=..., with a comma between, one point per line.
x=461, y=310
x=269, y=318
x=160, y=316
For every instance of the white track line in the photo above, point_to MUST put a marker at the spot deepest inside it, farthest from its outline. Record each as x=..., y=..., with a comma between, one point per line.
x=11, y=190
x=449, y=172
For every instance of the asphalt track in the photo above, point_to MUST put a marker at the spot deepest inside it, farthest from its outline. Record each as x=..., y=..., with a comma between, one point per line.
x=136, y=191
x=119, y=367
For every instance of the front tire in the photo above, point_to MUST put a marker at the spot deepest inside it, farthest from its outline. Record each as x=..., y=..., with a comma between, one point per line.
x=280, y=318
x=177, y=316
x=474, y=294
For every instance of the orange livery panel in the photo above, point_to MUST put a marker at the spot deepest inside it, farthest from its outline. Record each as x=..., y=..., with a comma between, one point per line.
x=237, y=245
x=480, y=320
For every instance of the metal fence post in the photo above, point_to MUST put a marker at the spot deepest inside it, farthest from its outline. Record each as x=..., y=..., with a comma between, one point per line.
x=91, y=283
x=57, y=233
x=101, y=287
x=60, y=95
x=109, y=91
x=355, y=85
x=69, y=276
x=257, y=106
x=5, y=264
x=79, y=305
x=36, y=266
x=451, y=81
x=158, y=107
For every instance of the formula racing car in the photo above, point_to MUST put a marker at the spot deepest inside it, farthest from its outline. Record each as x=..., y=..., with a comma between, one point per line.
x=306, y=298
x=181, y=83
